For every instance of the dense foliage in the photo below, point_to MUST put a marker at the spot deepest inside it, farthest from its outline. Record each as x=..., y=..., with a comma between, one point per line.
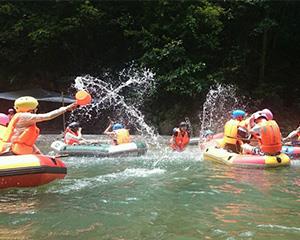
x=189, y=44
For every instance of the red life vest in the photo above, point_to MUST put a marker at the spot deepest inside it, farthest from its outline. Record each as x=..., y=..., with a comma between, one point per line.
x=181, y=140
x=70, y=141
x=270, y=137
x=23, y=144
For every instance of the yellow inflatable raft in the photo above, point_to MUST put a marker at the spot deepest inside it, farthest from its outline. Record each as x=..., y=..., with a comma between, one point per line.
x=222, y=156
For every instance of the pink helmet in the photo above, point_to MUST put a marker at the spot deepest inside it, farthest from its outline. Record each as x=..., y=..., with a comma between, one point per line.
x=4, y=120
x=268, y=113
x=258, y=115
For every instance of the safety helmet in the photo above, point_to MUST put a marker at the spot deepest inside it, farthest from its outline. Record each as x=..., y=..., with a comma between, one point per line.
x=258, y=115
x=117, y=126
x=74, y=126
x=238, y=113
x=268, y=113
x=183, y=124
x=11, y=110
x=4, y=120
x=25, y=104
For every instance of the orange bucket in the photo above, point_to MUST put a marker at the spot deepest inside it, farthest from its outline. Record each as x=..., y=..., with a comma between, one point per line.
x=83, y=98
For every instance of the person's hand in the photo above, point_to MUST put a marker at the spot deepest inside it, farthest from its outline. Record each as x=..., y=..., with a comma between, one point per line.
x=38, y=152
x=72, y=106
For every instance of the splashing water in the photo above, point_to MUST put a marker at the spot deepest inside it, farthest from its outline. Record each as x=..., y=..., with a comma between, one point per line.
x=220, y=101
x=122, y=95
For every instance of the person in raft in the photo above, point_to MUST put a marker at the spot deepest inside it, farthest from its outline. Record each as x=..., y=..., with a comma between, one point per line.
x=233, y=132
x=119, y=133
x=4, y=120
x=293, y=135
x=10, y=113
x=180, y=137
x=268, y=135
x=249, y=123
x=21, y=134
x=72, y=134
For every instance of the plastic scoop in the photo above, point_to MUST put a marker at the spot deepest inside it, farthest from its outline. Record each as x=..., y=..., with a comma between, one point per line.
x=83, y=98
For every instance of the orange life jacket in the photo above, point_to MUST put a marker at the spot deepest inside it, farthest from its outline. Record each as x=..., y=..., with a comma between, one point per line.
x=122, y=136
x=23, y=144
x=270, y=137
x=181, y=140
x=70, y=141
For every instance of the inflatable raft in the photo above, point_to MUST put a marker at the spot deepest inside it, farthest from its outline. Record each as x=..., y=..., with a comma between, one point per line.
x=222, y=156
x=100, y=150
x=194, y=141
x=29, y=170
x=292, y=151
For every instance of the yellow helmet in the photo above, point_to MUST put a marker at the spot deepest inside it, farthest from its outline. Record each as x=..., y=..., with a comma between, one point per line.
x=25, y=104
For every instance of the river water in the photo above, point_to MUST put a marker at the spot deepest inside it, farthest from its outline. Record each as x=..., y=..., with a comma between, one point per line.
x=161, y=195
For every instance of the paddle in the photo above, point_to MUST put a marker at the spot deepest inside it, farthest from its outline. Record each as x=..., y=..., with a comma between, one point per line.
x=58, y=156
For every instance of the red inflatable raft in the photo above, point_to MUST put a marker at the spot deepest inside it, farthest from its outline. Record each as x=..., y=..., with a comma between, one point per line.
x=29, y=170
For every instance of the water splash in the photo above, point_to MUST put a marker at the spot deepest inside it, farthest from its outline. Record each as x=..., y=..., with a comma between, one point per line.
x=220, y=101
x=71, y=185
x=121, y=95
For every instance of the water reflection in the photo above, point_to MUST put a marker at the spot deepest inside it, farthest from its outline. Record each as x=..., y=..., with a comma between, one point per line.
x=16, y=204
x=261, y=179
x=20, y=232
x=232, y=212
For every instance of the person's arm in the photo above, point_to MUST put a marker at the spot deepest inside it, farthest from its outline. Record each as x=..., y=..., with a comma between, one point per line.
x=291, y=135
x=72, y=136
x=108, y=132
x=79, y=133
x=255, y=131
x=36, y=150
x=33, y=117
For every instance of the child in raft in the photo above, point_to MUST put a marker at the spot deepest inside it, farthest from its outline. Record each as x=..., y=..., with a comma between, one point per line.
x=119, y=133
x=73, y=135
x=21, y=134
x=180, y=137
